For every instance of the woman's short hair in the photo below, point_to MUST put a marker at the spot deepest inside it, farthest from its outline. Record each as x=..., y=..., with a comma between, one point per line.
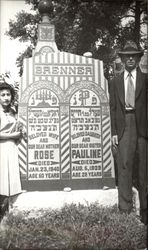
x=4, y=85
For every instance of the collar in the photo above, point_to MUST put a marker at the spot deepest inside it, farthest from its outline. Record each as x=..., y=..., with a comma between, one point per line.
x=133, y=73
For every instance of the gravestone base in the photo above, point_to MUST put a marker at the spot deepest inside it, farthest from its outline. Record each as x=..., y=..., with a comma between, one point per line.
x=52, y=185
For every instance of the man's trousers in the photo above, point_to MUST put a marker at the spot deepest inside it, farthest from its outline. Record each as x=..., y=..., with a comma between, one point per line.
x=131, y=144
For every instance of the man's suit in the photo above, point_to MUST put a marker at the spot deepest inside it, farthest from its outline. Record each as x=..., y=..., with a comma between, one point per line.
x=117, y=104
x=131, y=129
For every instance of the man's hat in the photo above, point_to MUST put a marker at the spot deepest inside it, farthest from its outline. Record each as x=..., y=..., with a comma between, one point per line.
x=130, y=48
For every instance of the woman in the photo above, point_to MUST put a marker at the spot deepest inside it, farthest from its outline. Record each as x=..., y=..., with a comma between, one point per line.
x=10, y=134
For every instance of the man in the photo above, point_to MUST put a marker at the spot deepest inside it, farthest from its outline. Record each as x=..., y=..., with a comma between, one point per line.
x=128, y=109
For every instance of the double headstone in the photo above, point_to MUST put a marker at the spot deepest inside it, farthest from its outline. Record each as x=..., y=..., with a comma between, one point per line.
x=65, y=109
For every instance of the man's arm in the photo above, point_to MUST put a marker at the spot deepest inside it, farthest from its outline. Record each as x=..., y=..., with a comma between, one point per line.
x=113, y=113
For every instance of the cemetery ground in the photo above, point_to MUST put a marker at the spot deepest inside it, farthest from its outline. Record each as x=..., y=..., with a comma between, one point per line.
x=74, y=220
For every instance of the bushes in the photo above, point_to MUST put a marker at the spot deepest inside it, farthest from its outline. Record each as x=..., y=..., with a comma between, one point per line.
x=74, y=227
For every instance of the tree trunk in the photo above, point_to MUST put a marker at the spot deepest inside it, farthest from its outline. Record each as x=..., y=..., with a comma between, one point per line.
x=137, y=22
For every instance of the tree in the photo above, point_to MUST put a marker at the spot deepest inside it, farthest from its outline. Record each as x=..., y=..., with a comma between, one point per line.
x=79, y=24
x=137, y=15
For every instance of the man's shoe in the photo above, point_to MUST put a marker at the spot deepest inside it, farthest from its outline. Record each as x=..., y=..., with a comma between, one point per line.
x=144, y=216
x=144, y=219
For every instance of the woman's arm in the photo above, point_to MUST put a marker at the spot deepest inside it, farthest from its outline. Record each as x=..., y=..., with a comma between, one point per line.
x=14, y=135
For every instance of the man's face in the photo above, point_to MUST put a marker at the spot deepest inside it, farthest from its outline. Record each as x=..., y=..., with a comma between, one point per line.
x=130, y=61
x=5, y=97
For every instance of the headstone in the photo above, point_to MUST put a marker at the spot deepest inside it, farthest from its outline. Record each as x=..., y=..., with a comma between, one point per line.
x=64, y=107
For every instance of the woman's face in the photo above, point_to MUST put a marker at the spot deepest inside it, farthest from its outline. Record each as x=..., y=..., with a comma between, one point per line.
x=5, y=97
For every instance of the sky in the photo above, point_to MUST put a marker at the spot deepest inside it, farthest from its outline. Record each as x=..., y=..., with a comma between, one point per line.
x=10, y=49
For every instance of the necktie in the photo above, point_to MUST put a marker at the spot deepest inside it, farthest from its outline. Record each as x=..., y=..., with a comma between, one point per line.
x=130, y=95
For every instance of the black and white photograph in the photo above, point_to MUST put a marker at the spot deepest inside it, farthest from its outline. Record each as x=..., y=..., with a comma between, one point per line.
x=73, y=124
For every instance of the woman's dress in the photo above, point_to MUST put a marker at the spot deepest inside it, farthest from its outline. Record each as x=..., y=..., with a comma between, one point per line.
x=10, y=183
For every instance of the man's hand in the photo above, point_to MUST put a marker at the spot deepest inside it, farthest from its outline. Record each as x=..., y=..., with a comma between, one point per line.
x=114, y=144
x=115, y=141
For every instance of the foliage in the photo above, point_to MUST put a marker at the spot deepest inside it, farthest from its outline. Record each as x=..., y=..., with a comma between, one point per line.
x=25, y=28
x=73, y=227
x=81, y=24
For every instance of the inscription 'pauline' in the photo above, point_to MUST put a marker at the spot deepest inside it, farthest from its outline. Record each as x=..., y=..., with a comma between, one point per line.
x=85, y=153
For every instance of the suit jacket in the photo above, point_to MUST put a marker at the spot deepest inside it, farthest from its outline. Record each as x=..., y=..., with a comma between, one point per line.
x=117, y=104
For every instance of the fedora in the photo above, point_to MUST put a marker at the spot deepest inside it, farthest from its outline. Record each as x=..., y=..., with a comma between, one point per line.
x=130, y=48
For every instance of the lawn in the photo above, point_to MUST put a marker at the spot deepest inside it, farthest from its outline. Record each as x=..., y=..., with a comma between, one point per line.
x=73, y=227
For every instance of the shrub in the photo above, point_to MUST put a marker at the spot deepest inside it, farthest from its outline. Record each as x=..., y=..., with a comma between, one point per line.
x=73, y=227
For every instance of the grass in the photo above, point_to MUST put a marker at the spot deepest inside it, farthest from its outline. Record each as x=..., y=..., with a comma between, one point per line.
x=73, y=227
